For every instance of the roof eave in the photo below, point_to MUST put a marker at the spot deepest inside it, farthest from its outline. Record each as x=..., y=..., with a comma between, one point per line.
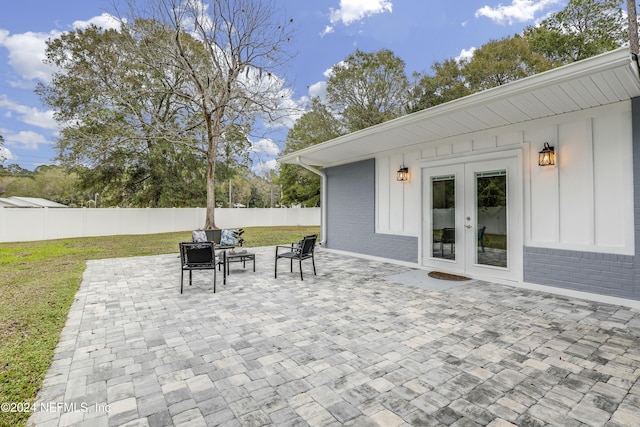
x=616, y=59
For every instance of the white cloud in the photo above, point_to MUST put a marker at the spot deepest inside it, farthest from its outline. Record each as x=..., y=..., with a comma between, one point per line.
x=27, y=140
x=352, y=11
x=293, y=109
x=265, y=146
x=29, y=115
x=286, y=109
x=465, y=54
x=106, y=21
x=327, y=30
x=6, y=154
x=329, y=71
x=26, y=53
x=517, y=11
x=319, y=90
x=262, y=168
x=27, y=50
x=355, y=10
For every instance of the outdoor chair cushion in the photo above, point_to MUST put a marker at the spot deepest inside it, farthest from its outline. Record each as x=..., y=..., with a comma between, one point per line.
x=228, y=238
x=199, y=236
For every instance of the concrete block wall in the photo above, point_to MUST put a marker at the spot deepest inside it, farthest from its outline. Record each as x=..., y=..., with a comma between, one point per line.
x=351, y=215
x=608, y=274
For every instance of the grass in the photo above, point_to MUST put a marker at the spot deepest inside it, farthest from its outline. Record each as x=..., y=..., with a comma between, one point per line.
x=38, y=281
x=495, y=241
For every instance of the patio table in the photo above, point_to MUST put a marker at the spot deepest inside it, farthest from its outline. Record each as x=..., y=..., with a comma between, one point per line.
x=241, y=256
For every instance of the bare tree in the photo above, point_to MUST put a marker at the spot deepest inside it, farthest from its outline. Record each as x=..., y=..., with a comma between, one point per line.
x=230, y=53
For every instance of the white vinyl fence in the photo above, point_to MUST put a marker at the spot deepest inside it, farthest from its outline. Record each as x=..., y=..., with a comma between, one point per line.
x=493, y=218
x=29, y=224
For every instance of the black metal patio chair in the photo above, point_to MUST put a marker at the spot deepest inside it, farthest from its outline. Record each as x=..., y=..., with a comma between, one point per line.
x=298, y=251
x=481, y=230
x=197, y=256
x=448, y=237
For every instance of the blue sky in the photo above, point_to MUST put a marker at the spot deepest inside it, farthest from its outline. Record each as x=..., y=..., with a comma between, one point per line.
x=418, y=31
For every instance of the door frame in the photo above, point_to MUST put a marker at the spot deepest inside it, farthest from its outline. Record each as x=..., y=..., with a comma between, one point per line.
x=515, y=188
x=452, y=265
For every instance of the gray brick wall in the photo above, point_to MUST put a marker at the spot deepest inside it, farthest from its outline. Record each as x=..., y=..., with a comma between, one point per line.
x=351, y=215
x=608, y=274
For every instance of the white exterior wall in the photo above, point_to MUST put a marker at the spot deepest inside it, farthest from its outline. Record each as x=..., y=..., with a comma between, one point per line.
x=30, y=224
x=398, y=203
x=584, y=203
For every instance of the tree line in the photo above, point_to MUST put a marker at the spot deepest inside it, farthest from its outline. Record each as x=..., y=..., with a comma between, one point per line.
x=369, y=88
x=148, y=110
x=160, y=112
x=59, y=184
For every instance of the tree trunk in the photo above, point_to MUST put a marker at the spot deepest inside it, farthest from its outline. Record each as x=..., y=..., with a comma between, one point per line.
x=633, y=26
x=210, y=220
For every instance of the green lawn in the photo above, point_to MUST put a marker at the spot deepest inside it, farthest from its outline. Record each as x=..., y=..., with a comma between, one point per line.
x=495, y=241
x=38, y=281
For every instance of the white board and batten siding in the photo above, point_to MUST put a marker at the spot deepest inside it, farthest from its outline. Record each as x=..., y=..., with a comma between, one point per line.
x=398, y=203
x=584, y=203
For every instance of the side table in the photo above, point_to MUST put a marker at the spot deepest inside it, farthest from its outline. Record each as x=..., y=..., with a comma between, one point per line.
x=242, y=257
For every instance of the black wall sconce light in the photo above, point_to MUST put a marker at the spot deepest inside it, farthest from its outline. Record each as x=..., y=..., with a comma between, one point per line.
x=547, y=157
x=403, y=174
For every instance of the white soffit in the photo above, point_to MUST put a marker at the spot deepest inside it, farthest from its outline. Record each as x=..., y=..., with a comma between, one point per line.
x=601, y=80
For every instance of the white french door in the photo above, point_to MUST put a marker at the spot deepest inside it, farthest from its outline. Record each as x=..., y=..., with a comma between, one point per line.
x=472, y=218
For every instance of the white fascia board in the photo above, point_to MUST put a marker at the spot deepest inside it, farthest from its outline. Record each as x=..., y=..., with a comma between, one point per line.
x=616, y=59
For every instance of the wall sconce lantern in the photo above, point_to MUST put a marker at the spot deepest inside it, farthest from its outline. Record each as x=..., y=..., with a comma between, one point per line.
x=403, y=174
x=547, y=157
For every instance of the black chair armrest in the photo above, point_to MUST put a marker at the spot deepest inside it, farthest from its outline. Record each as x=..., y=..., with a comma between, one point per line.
x=291, y=247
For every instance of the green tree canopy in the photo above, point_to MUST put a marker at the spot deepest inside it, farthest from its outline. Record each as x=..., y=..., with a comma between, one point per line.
x=300, y=186
x=368, y=88
x=446, y=84
x=501, y=61
x=144, y=109
x=2, y=155
x=118, y=114
x=584, y=28
x=47, y=181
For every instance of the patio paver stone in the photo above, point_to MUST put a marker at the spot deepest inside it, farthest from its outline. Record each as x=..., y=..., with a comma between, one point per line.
x=345, y=347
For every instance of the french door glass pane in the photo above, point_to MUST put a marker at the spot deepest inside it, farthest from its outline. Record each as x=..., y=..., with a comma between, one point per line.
x=491, y=214
x=443, y=222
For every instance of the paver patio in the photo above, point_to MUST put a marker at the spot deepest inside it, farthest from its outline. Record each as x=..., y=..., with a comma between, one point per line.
x=346, y=347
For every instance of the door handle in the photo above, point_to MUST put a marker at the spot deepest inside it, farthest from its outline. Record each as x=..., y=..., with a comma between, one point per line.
x=468, y=226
